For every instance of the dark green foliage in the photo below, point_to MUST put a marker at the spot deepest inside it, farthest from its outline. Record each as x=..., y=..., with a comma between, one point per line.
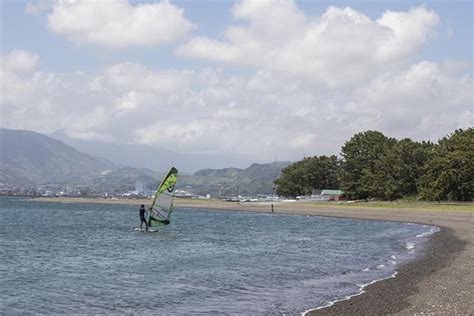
x=409, y=158
x=375, y=166
x=400, y=167
x=449, y=175
x=302, y=177
x=362, y=167
x=379, y=167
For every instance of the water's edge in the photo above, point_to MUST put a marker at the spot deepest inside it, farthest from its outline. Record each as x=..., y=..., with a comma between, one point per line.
x=423, y=252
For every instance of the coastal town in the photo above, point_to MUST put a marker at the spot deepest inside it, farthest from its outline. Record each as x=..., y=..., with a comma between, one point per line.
x=142, y=192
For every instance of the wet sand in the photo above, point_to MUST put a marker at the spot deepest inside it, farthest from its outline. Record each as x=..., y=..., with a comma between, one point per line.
x=441, y=282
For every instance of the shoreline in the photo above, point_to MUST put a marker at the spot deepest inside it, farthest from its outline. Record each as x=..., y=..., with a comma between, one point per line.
x=392, y=295
x=362, y=291
x=437, y=282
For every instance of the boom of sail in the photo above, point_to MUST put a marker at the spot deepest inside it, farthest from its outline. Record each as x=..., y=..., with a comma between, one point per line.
x=160, y=211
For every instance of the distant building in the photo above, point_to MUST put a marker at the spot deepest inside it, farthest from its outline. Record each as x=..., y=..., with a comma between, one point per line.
x=70, y=191
x=185, y=194
x=331, y=195
x=140, y=187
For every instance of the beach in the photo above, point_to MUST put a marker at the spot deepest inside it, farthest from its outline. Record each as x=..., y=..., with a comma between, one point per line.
x=438, y=283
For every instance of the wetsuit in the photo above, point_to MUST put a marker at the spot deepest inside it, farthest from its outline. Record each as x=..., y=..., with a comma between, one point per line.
x=142, y=218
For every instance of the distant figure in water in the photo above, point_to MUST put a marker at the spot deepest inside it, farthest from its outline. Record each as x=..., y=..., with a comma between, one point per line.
x=142, y=217
x=272, y=208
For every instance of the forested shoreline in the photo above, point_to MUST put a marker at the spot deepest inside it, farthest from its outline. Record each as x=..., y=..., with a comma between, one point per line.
x=374, y=166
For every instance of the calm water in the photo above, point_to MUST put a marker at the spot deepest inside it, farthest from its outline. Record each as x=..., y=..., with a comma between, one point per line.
x=76, y=258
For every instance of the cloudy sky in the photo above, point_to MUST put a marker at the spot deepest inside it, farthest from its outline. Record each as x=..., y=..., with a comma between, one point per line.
x=259, y=78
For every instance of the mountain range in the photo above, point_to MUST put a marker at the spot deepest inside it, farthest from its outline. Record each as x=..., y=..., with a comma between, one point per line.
x=155, y=158
x=256, y=179
x=31, y=159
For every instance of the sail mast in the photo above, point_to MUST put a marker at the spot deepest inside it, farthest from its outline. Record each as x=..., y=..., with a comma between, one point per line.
x=160, y=212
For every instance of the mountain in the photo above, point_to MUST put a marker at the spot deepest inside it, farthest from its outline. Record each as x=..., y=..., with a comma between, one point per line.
x=256, y=179
x=155, y=158
x=123, y=179
x=29, y=158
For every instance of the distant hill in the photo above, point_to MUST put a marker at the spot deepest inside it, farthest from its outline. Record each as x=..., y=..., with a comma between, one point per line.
x=155, y=158
x=29, y=158
x=123, y=179
x=256, y=179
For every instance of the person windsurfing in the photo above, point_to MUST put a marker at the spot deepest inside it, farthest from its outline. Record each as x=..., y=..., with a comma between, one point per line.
x=142, y=217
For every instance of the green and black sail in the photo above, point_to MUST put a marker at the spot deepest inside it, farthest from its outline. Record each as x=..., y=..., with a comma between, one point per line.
x=160, y=211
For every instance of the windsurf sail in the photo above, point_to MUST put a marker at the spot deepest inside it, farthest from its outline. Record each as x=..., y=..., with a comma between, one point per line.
x=161, y=209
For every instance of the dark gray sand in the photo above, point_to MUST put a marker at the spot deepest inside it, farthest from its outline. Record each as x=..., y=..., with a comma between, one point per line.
x=440, y=282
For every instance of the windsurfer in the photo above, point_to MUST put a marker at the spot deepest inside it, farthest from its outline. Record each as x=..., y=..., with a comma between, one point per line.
x=142, y=217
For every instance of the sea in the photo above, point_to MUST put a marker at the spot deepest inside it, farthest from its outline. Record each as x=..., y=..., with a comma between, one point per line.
x=86, y=259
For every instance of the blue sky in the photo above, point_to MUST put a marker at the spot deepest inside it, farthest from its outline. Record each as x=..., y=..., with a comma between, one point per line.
x=294, y=77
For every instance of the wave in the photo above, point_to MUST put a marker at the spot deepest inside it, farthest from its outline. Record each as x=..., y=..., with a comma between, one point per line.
x=433, y=229
x=410, y=246
x=348, y=297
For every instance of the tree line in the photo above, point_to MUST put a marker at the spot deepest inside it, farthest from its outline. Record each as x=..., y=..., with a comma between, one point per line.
x=374, y=166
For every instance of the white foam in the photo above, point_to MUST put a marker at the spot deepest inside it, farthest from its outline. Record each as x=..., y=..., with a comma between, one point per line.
x=409, y=246
x=361, y=291
x=302, y=239
x=432, y=230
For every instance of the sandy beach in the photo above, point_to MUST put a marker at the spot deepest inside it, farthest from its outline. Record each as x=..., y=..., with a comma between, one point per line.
x=441, y=282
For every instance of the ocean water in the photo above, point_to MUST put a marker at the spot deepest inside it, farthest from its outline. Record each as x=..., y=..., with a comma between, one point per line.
x=78, y=258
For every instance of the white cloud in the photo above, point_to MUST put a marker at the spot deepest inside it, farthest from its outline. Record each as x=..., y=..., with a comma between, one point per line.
x=19, y=61
x=342, y=46
x=408, y=30
x=264, y=114
x=466, y=119
x=457, y=66
x=195, y=135
x=421, y=101
x=38, y=7
x=129, y=75
x=129, y=102
x=302, y=141
x=117, y=23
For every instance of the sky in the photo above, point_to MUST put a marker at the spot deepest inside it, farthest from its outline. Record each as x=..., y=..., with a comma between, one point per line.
x=259, y=79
